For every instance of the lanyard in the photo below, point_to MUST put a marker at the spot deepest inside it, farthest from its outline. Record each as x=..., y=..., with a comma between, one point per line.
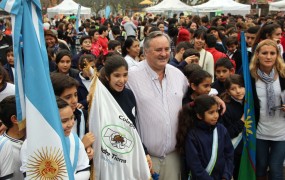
x=236, y=140
x=214, y=155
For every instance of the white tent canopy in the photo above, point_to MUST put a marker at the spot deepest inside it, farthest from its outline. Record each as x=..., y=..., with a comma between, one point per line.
x=277, y=6
x=226, y=6
x=169, y=5
x=68, y=7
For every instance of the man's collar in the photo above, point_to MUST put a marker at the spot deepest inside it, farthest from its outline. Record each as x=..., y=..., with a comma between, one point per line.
x=154, y=75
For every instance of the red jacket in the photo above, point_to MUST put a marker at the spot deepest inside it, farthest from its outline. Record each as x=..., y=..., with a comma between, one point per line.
x=217, y=55
x=96, y=48
x=104, y=44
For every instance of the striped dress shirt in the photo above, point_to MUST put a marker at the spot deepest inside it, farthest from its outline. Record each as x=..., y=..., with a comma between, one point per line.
x=158, y=105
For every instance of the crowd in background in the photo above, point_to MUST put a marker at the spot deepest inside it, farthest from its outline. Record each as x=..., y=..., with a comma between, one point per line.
x=178, y=79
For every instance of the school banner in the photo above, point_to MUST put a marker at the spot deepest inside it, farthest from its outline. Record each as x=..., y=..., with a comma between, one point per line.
x=119, y=151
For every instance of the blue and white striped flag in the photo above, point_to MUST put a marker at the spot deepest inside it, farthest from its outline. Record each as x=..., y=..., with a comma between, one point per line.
x=36, y=106
x=77, y=23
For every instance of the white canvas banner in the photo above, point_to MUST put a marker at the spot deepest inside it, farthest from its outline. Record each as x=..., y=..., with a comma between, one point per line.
x=119, y=153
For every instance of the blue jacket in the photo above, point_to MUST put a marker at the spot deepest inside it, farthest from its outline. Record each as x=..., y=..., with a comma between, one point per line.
x=82, y=93
x=77, y=117
x=74, y=73
x=75, y=59
x=179, y=65
x=198, y=150
x=219, y=86
x=10, y=72
x=231, y=119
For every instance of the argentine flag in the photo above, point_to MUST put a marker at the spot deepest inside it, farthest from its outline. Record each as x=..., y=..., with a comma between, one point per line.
x=36, y=105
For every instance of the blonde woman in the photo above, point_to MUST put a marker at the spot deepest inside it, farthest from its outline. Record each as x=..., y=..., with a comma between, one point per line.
x=268, y=73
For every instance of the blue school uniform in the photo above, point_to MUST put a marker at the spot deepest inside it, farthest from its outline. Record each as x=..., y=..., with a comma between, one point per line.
x=231, y=119
x=198, y=149
x=219, y=86
x=8, y=67
x=75, y=59
x=80, y=126
x=82, y=93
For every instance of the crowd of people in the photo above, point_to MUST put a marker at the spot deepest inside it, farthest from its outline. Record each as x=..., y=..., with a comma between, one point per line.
x=178, y=79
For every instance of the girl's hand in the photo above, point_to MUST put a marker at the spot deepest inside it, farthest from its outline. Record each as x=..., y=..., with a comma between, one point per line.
x=79, y=106
x=3, y=128
x=191, y=59
x=90, y=152
x=88, y=139
x=221, y=104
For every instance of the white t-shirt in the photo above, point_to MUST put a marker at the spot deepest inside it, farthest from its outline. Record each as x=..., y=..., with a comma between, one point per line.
x=131, y=62
x=206, y=61
x=6, y=156
x=270, y=128
x=7, y=91
x=16, y=148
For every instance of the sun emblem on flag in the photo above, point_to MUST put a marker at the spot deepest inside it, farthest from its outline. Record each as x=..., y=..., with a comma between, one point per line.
x=46, y=164
x=248, y=124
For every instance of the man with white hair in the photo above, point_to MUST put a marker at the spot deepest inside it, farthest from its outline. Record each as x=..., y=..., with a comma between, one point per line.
x=159, y=89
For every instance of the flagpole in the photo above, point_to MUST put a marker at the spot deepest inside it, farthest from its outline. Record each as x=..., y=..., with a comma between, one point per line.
x=248, y=158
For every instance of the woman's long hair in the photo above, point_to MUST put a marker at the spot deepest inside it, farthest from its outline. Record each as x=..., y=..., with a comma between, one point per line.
x=266, y=31
x=128, y=44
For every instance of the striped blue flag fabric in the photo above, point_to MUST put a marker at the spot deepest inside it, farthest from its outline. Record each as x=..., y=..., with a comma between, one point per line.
x=248, y=159
x=77, y=23
x=47, y=156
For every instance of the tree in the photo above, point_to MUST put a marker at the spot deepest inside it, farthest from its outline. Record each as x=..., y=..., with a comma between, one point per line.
x=95, y=5
x=245, y=1
x=49, y=3
x=98, y=5
x=197, y=2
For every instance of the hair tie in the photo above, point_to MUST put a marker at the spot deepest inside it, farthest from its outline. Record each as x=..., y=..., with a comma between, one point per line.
x=192, y=104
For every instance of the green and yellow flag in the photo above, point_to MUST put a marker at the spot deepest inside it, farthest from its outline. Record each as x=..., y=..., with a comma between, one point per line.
x=248, y=159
